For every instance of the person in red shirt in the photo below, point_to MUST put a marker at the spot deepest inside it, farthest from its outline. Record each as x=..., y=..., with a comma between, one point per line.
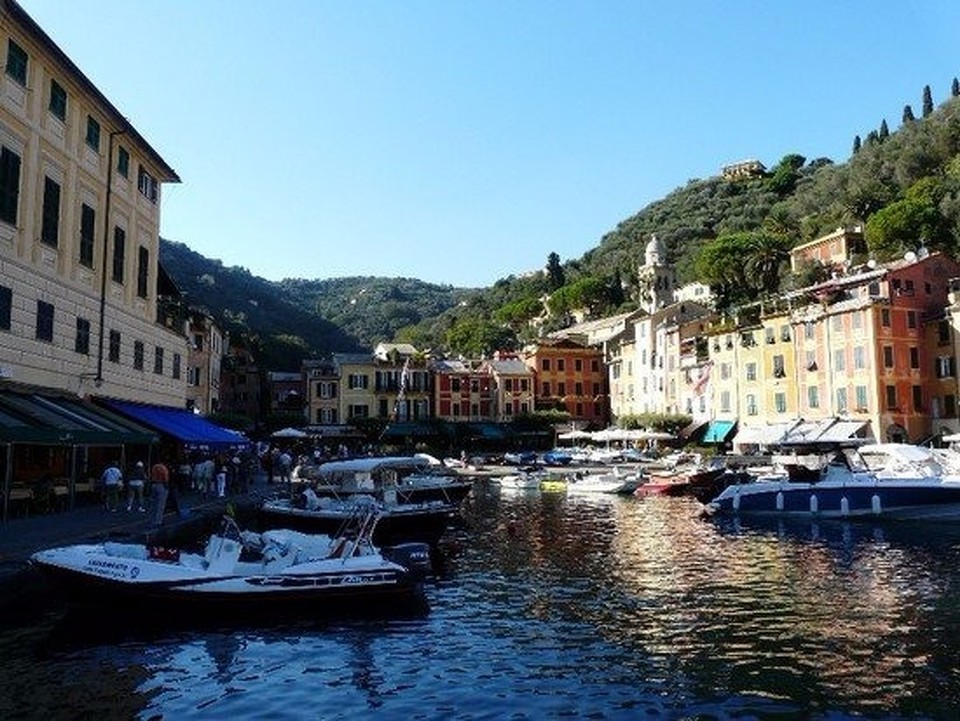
x=160, y=485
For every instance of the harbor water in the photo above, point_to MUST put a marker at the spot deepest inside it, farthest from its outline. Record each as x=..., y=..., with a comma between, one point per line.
x=546, y=606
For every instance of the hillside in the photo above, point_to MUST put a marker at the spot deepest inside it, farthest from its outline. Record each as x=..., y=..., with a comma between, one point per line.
x=294, y=319
x=903, y=186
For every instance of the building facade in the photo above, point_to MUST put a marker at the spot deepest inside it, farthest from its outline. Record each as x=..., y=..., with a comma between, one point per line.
x=204, y=356
x=81, y=304
x=463, y=390
x=570, y=376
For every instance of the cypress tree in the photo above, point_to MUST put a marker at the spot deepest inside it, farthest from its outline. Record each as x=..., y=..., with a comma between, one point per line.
x=955, y=88
x=856, y=144
x=907, y=114
x=927, y=101
x=884, y=130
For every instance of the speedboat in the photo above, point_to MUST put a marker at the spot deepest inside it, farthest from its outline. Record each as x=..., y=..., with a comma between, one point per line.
x=413, y=478
x=526, y=478
x=398, y=522
x=241, y=571
x=874, y=480
x=598, y=483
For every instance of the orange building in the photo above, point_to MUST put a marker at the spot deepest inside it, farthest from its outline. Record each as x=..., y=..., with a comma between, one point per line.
x=570, y=376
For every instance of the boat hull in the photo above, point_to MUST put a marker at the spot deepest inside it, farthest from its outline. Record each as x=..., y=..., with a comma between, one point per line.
x=86, y=577
x=903, y=500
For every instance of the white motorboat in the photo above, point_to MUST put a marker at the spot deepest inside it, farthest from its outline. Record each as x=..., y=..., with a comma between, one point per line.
x=398, y=522
x=598, y=483
x=527, y=478
x=876, y=480
x=241, y=571
x=413, y=478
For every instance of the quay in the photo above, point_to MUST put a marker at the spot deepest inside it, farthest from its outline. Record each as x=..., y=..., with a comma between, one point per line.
x=197, y=515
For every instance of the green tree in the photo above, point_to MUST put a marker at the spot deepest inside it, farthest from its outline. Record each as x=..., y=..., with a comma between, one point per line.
x=955, y=88
x=740, y=266
x=898, y=227
x=476, y=337
x=884, y=130
x=856, y=144
x=907, y=114
x=555, y=276
x=518, y=313
x=927, y=101
x=784, y=177
x=766, y=256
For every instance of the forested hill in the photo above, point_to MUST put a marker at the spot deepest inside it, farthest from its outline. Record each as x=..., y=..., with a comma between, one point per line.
x=295, y=319
x=903, y=186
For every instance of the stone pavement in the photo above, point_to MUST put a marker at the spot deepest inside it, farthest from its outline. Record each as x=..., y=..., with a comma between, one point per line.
x=21, y=537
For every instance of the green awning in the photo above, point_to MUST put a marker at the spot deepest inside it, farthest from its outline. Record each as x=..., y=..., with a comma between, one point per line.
x=412, y=429
x=47, y=419
x=718, y=431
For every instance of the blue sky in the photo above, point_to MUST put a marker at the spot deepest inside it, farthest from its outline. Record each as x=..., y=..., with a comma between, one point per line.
x=463, y=141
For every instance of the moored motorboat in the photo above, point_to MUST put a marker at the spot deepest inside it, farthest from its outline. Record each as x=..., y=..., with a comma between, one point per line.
x=526, y=478
x=597, y=483
x=413, y=478
x=241, y=571
x=398, y=522
x=879, y=480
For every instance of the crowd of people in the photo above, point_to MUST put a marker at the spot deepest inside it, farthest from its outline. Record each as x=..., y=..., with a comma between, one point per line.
x=209, y=475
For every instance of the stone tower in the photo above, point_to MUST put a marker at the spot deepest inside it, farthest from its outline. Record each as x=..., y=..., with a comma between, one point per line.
x=656, y=279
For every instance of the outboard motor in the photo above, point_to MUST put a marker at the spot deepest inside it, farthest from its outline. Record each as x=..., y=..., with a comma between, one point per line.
x=413, y=556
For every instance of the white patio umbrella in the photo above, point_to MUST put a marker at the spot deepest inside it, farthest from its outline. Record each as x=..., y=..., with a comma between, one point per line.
x=289, y=433
x=655, y=436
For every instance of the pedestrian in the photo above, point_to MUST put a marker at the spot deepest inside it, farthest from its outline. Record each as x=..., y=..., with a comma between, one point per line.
x=135, y=487
x=222, y=482
x=207, y=474
x=284, y=461
x=160, y=482
x=112, y=479
x=184, y=473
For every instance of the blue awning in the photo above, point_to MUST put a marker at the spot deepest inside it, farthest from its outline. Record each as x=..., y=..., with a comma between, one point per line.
x=718, y=431
x=182, y=424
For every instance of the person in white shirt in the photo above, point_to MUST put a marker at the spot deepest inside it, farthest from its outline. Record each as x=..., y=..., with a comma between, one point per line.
x=112, y=478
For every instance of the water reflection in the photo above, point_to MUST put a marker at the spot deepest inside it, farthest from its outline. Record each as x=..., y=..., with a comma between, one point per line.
x=547, y=605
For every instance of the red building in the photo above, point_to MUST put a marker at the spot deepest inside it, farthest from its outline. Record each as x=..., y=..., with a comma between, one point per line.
x=463, y=391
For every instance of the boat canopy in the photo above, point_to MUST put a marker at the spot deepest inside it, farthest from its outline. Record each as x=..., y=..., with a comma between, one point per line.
x=371, y=464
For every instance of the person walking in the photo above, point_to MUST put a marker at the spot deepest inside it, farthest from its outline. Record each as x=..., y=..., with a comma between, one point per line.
x=135, y=487
x=160, y=484
x=112, y=478
x=222, y=482
x=284, y=461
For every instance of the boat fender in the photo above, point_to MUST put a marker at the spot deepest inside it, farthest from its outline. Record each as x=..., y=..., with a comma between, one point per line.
x=779, y=500
x=814, y=504
x=875, y=504
x=844, y=506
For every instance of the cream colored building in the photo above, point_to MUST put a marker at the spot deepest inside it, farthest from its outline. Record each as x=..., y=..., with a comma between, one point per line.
x=80, y=194
x=513, y=386
x=204, y=358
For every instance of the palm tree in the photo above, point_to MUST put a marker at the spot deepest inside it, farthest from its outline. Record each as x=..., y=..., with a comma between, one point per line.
x=766, y=255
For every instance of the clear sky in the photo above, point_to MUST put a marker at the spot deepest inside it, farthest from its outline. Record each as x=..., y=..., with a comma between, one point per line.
x=462, y=141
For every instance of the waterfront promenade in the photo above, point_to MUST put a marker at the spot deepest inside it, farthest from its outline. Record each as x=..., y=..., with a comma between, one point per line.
x=21, y=537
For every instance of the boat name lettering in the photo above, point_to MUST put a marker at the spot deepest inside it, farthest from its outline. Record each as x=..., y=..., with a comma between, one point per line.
x=107, y=565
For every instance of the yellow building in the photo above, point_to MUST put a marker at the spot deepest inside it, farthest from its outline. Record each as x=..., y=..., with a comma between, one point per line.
x=81, y=302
